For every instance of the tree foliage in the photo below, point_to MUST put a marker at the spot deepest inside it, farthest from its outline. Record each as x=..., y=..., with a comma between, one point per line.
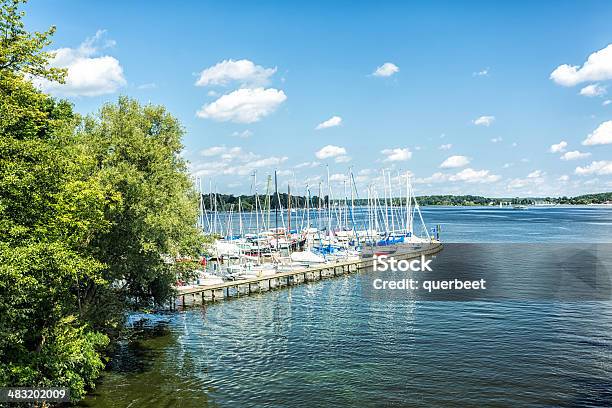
x=91, y=211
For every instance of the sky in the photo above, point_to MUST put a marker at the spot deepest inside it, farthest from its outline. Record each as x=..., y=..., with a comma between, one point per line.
x=499, y=99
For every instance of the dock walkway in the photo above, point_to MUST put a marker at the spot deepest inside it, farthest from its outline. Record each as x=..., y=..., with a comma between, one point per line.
x=231, y=289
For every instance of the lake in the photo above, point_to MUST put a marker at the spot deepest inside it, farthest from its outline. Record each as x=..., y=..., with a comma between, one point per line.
x=540, y=336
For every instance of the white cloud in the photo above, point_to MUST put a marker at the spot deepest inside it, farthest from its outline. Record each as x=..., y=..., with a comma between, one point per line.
x=454, y=162
x=397, y=154
x=434, y=178
x=518, y=183
x=593, y=90
x=535, y=178
x=150, y=85
x=331, y=122
x=214, y=151
x=559, y=147
x=602, y=167
x=88, y=74
x=606, y=102
x=484, y=72
x=598, y=67
x=447, y=146
x=330, y=151
x=563, y=178
x=574, y=155
x=536, y=174
x=243, y=105
x=601, y=135
x=385, y=70
x=496, y=139
x=337, y=177
x=307, y=164
x=507, y=165
x=245, y=134
x=342, y=159
x=484, y=120
x=223, y=160
x=474, y=176
x=242, y=71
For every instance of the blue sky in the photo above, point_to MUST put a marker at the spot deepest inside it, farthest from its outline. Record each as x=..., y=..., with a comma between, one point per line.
x=466, y=101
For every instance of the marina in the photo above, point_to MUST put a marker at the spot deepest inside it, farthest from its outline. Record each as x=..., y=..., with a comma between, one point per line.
x=328, y=237
x=230, y=289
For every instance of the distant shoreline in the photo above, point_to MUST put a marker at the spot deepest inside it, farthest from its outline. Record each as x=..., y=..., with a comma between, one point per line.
x=226, y=202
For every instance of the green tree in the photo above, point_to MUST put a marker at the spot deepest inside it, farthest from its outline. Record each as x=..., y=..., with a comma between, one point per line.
x=49, y=207
x=137, y=153
x=92, y=214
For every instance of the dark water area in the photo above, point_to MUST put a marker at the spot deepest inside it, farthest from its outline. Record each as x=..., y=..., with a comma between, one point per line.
x=540, y=335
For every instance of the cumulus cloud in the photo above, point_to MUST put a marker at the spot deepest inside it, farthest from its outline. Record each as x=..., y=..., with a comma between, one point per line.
x=330, y=151
x=475, y=176
x=89, y=74
x=454, y=162
x=607, y=102
x=331, y=122
x=245, y=134
x=397, y=154
x=601, y=135
x=563, y=178
x=484, y=72
x=484, y=120
x=223, y=160
x=342, y=159
x=434, y=178
x=496, y=139
x=535, y=178
x=601, y=168
x=386, y=70
x=559, y=147
x=574, y=155
x=598, y=67
x=536, y=174
x=307, y=165
x=593, y=90
x=338, y=177
x=243, y=71
x=447, y=146
x=149, y=85
x=243, y=105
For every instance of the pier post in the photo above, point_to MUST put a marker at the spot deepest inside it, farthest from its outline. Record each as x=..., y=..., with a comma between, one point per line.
x=212, y=294
x=183, y=300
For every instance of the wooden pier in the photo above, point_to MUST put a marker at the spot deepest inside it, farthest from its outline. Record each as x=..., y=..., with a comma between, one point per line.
x=237, y=288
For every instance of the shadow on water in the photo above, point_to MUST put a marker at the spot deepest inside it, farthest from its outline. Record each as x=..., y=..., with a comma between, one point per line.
x=144, y=371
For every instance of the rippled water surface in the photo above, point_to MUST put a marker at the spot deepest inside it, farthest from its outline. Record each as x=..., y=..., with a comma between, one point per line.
x=331, y=343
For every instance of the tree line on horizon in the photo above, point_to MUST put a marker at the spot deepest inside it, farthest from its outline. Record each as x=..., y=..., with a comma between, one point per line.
x=227, y=202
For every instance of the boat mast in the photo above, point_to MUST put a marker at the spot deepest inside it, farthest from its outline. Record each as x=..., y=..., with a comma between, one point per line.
x=386, y=203
x=307, y=206
x=240, y=216
x=329, y=198
x=276, y=209
x=289, y=207
x=256, y=203
x=391, y=202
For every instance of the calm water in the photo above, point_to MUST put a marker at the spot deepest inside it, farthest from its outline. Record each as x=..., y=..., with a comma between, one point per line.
x=332, y=343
